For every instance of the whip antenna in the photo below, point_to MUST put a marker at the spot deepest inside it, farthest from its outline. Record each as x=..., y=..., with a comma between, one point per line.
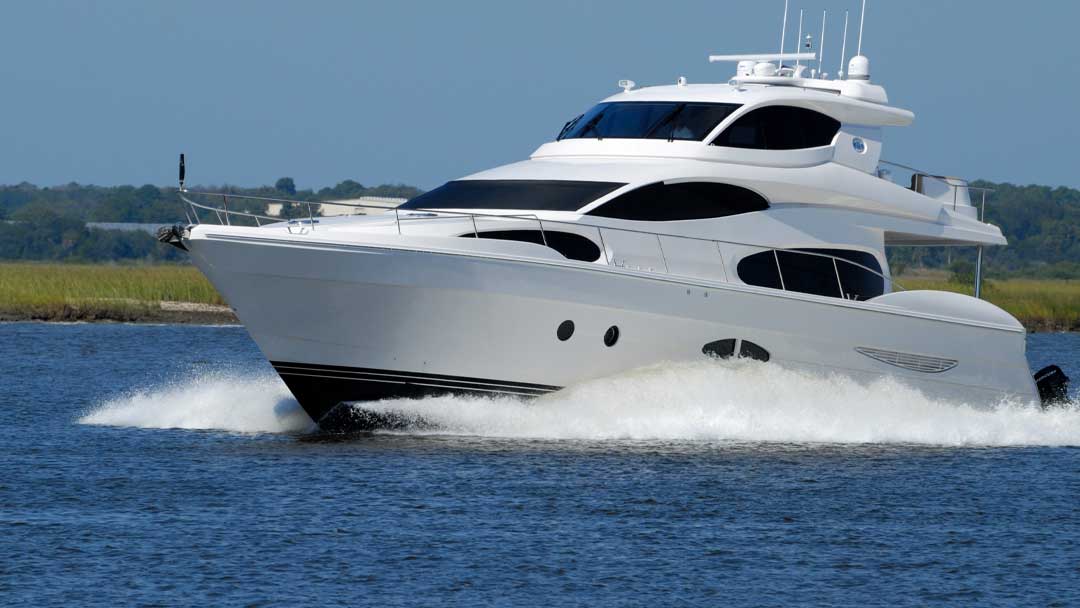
x=181, y=171
x=798, y=38
x=821, y=45
x=783, y=32
x=862, y=16
x=843, y=49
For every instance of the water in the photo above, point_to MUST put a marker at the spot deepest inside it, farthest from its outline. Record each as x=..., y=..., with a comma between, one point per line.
x=167, y=465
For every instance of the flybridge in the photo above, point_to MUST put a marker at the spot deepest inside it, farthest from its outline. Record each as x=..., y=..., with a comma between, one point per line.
x=761, y=69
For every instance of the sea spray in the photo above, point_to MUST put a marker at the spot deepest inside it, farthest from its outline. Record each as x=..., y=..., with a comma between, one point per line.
x=702, y=401
x=228, y=401
x=742, y=401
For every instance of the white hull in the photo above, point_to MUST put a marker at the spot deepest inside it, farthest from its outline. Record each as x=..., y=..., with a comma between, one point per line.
x=393, y=318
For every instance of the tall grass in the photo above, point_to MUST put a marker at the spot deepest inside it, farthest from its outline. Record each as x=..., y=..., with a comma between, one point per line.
x=95, y=291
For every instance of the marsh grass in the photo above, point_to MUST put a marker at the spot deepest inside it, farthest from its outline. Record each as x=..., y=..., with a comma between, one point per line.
x=87, y=292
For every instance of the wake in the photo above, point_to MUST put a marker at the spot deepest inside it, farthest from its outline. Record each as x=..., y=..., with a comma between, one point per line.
x=741, y=401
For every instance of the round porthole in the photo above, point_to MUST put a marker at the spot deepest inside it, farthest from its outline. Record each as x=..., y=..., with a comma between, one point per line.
x=859, y=145
x=566, y=329
x=611, y=336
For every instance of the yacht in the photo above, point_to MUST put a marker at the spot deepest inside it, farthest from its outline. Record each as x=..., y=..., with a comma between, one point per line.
x=749, y=218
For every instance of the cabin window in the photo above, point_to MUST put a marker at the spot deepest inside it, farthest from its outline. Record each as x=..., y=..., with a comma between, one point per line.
x=802, y=271
x=779, y=128
x=648, y=120
x=571, y=246
x=539, y=195
x=662, y=202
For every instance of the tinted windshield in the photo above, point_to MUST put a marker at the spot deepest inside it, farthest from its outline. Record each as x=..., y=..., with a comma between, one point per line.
x=543, y=195
x=648, y=120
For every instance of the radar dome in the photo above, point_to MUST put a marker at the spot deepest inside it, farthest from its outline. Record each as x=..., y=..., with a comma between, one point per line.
x=859, y=68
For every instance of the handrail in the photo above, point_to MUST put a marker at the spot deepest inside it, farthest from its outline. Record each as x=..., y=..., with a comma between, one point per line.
x=437, y=213
x=944, y=179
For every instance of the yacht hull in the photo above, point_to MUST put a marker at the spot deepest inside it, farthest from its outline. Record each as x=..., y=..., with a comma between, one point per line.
x=360, y=322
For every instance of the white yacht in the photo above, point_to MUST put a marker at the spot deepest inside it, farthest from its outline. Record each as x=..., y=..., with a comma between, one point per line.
x=749, y=218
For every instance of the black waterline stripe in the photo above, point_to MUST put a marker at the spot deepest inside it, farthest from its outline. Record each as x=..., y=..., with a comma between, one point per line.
x=281, y=366
x=430, y=384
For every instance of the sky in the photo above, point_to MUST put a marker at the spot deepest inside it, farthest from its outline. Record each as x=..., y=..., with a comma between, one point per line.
x=110, y=92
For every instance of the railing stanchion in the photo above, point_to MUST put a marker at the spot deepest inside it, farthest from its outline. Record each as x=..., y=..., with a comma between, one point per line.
x=542, y=235
x=225, y=203
x=311, y=218
x=603, y=247
x=397, y=220
x=475, y=234
x=779, y=273
x=662, y=256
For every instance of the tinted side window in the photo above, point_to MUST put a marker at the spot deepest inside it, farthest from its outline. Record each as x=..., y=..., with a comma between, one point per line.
x=662, y=202
x=808, y=274
x=648, y=120
x=548, y=195
x=761, y=270
x=815, y=274
x=858, y=284
x=571, y=246
x=779, y=128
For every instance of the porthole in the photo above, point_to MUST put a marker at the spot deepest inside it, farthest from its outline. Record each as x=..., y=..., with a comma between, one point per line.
x=611, y=336
x=566, y=329
x=859, y=145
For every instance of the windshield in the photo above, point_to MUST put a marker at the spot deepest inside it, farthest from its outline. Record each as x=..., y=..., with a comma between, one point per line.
x=668, y=120
x=526, y=194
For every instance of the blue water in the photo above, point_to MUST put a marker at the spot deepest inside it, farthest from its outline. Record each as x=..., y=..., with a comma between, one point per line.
x=167, y=466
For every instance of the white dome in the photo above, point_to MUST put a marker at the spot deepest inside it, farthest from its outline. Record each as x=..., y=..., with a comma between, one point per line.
x=859, y=68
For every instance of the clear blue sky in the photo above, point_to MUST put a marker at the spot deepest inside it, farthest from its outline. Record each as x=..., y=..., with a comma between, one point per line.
x=422, y=92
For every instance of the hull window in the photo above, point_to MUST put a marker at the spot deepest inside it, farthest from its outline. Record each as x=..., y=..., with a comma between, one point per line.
x=571, y=246
x=753, y=351
x=779, y=128
x=542, y=195
x=662, y=202
x=668, y=120
x=799, y=270
x=725, y=349
x=565, y=330
x=611, y=336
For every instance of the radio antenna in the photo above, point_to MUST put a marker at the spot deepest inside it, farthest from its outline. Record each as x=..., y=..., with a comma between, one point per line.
x=862, y=16
x=783, y=32
x=843, y=49
x=798, y=39
x=821, y=45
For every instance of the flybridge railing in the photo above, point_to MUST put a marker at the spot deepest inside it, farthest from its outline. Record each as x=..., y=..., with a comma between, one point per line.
x=920, y=177
x=401, y=217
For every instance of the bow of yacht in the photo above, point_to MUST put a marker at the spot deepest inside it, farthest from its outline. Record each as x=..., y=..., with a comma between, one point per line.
x=667, y=223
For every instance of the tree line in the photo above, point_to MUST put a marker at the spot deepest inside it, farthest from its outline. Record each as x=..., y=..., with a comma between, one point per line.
x=49, y=223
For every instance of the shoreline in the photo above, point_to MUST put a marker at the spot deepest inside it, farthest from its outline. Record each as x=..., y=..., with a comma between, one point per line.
x=175, y=313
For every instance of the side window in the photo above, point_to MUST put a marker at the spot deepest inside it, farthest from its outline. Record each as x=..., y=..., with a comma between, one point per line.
x=571, y=246
x=662, y=202
x=779, y=128
x=800, y=271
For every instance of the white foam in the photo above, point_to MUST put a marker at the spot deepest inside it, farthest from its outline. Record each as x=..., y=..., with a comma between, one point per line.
x=703, y=401
x=228, y=401
x=743, y=401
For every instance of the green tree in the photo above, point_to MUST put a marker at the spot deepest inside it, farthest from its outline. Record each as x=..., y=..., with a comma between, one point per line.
x=286, y=185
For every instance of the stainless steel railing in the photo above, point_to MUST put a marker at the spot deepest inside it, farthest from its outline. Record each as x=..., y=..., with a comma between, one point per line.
x=402, y=217
x=919, y=178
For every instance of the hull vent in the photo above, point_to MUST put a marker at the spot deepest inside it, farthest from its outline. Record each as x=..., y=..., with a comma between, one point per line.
x=916, y=363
